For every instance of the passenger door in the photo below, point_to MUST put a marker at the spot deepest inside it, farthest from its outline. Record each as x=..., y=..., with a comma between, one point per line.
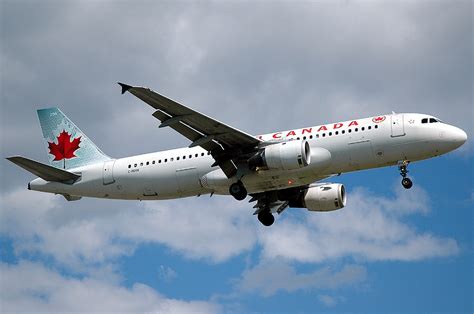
x=108, y=172
x=397, y=124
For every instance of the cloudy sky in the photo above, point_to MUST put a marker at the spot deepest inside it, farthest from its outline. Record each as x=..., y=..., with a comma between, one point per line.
x=260, y=67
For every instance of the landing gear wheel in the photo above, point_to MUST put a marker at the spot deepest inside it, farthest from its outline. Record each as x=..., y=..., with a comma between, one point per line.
x=407, y=183
x=266, y=218
x=238, y=191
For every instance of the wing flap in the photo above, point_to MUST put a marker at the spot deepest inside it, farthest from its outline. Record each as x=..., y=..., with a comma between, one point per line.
x=43, y=171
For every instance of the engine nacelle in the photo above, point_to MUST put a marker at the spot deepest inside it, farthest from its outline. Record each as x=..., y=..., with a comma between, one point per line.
x=320, y=198
x=289, y=155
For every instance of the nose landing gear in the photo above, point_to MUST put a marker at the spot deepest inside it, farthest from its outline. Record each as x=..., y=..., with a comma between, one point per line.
x=406, y=182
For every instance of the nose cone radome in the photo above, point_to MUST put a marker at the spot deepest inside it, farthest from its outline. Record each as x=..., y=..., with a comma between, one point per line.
x=458, y=136
x=454, y=138
x=450, y=138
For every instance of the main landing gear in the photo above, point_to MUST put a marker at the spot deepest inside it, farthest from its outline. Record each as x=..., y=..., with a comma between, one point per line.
x=266, y=218
x=238, y=190
x=406, y=182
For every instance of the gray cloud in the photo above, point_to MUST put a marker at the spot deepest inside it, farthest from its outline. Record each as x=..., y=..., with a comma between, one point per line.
x=284, y=64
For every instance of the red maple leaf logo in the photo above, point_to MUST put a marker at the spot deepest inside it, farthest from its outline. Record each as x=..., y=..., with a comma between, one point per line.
x=64, y=149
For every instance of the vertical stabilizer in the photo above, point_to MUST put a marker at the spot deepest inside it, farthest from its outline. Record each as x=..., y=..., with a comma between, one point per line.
x=67, y=146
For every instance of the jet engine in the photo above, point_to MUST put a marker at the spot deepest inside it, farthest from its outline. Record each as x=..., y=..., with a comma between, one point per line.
x=289, y=155
x=320, y=198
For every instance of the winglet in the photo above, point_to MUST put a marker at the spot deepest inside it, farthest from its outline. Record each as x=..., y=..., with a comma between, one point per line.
x=125, y=87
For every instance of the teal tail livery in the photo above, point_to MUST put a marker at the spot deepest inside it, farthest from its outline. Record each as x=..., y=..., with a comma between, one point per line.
x=67, y=146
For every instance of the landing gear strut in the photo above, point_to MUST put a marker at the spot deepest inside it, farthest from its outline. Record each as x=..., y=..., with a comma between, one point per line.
x=266, y=218
x=406, y=182
x=238, y=190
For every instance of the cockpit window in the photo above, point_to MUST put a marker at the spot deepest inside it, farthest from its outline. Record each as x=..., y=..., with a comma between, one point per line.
x=433, y=120
x=425, y=120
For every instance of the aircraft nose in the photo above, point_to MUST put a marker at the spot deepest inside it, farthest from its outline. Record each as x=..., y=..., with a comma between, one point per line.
x=459, y=136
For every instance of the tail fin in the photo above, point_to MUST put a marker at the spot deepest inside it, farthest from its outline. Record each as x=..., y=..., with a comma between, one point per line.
x=67, y=146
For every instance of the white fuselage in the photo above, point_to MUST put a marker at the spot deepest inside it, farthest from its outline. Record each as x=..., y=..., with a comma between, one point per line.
x=335, y=148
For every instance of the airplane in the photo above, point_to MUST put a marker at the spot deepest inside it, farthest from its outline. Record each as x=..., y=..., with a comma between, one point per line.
x=278, y=170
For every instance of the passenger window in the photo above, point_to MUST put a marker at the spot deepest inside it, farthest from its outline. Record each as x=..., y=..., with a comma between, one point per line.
x=425, y=120
x=324, y=134
x=298, y=138
x=317, y=135
x=177, y=158
x=208, y=153
x=202, y=154
x=343, y=131
x=153, y=162
x=369, y=127
x=310, y=137
x=171, y=159
x=184, y=157
x=350, y=130
x=304, y=137
x=376, y=126
x=129, y=166
x=330, y=133
x=135, y=165
x=190, y=156
x=159, y=161
x=362, y=128
x=356, y=129
x=147, y=163
x=195, y=155
x=141, y=164
x=337, y=132
x=166, y=159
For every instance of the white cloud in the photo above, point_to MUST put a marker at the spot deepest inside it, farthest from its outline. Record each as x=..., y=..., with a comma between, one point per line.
x=89, y=239
x=166, y=273
x=328, y=300
x=371, y=227
x=78, y=235
x=272, y=276
x=94, y=232
x=31, y=287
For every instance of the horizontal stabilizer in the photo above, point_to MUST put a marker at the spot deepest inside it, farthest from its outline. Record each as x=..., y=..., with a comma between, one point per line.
x=43, y=171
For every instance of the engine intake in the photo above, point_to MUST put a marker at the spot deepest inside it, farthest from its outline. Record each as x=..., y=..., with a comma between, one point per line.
x=289, y=155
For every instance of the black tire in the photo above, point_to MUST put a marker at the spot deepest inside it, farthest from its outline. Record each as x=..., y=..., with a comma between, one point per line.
x=238, y=191
x=266, y=218
x=407, y=183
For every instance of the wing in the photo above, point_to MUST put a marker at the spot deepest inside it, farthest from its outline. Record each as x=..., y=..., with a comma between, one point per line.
x=225, y=143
